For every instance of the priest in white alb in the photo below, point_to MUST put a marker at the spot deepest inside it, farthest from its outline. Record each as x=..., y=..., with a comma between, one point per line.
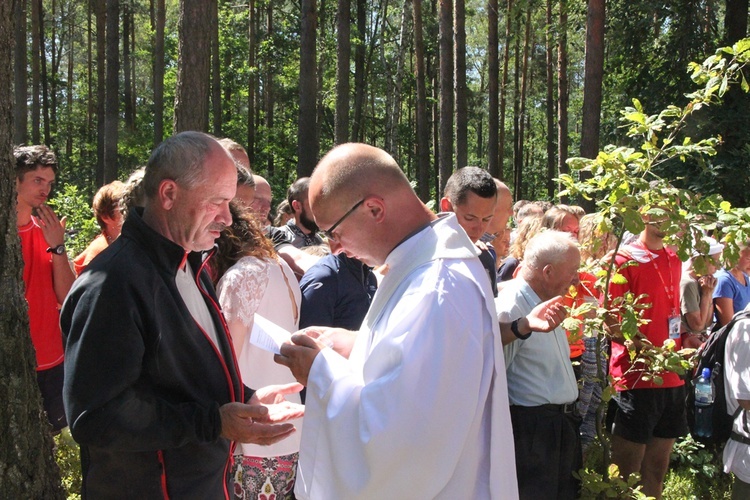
x=415, y=404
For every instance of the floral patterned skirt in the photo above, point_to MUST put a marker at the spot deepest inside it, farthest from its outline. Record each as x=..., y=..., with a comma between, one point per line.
x=264, y=478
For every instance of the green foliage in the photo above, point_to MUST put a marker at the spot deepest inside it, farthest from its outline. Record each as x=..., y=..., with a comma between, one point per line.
x=696, y=473
x=68, y=458
x=80, y=225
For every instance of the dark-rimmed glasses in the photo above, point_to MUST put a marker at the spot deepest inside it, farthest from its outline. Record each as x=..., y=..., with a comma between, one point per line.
x=329, y=231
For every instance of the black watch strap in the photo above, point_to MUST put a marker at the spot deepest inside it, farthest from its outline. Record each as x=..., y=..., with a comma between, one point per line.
x=59, y=249
x=514, y=329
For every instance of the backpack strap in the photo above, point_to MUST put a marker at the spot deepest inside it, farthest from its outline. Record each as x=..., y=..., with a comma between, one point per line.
x=735, y=436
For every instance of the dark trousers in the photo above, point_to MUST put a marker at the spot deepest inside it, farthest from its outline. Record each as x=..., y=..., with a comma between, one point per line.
x=548, y=451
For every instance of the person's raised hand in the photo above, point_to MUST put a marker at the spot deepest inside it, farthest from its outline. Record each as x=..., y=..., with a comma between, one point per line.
x=548, y=315
x=299, y=356
x=52, y=227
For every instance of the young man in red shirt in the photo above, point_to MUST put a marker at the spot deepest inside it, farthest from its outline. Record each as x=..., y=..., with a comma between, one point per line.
x=47, y=273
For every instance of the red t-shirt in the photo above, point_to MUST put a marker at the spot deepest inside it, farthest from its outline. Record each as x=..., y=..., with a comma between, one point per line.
x=44, y=313
x=583, y=291
x=659, y=278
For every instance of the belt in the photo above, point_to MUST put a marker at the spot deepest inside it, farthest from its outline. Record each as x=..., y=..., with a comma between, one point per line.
x=567, y=408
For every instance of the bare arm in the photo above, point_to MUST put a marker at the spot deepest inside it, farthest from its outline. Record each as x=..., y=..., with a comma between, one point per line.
x=724, y=309
x=54, y=234
x=699, y=320
x=745, y=404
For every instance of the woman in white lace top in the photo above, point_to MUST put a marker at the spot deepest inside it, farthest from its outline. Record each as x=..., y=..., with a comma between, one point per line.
x=254, y=280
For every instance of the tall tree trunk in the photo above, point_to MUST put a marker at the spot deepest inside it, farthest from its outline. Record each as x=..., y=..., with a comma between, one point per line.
x=320, y=108
x=359, y=71
x=193, y=65
x=91, y=102
x=343, y=42
x=252, y=84
x=216, y=72
x=394, y=98
x=20, y=73
x=423, y=132
x=504, y=89
x=562, y=89
x=44, y=78
x=69, y=89
x=101, y=85
x=127, y=20
x=112, y=105
x=268, y=88
x=517, y=180
x=54, y=71
x=459, y=64
x=27, y=465
x=735, y=20
x=592, y=85
x=307, y=147
x=158, y=71
x=35, y=71
x=522, y=101
x=550, y=111
x=445, y=41
x=493, y=89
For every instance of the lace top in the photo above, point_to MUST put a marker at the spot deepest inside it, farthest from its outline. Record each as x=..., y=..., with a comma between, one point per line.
x=266, y=287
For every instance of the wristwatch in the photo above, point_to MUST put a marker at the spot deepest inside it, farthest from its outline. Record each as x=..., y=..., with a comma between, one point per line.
x=514, y=329
x=59, y=249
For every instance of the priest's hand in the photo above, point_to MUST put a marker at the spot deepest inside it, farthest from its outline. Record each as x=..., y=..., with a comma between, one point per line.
x=548, y=315
x=338, y=339
x=244, y=423
x=299, y=356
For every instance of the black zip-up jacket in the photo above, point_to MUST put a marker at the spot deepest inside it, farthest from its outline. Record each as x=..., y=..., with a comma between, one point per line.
x=143, y=382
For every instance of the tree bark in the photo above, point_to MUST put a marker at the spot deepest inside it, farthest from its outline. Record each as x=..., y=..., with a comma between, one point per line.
x=394, y=98
x=35, y=71
x=100, y=7
x=112, y=104
x=445, y=41
x=517, y=181
x=343, y=38
x=562, y=89
x=20, y=82
x=550, y=111
x=735, y=20
x=69, y=89
x=43, y=76
x=158, y=71
x=592, y=85
x=127, y=20
x=268, y=97
x=307, y=148
x=216, y=72
x=504, y=89
x=27, y=465
x=423, y=131
x=193, y=66
x=519, y=158
x=459, y=64
x=252, y=84
x=359, y=71
x=493, y=89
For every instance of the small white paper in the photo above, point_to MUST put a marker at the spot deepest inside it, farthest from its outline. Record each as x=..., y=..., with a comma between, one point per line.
x=268, y=335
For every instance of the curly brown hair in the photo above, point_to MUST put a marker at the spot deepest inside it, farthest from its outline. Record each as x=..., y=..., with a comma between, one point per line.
x=244, y=238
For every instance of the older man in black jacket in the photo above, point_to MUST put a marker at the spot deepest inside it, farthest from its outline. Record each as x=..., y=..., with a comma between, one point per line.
x=152, y=391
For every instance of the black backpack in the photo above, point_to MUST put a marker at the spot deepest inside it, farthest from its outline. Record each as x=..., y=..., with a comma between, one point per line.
x=711, y=355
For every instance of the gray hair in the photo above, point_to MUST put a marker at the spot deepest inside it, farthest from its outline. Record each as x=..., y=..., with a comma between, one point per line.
x=180, y=158
x=548, y=247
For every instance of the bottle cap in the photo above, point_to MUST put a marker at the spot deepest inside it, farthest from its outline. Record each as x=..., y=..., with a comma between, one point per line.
x=706, y=373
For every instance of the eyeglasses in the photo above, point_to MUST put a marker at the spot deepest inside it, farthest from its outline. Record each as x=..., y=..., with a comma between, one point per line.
x=329, y=232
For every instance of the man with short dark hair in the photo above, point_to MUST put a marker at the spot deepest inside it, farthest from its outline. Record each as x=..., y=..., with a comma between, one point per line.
x=471, y=193
x=302, y=230
x=47, y=273
x=152, y=389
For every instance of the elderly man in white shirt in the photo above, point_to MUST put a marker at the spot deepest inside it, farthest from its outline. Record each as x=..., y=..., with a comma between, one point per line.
x=541, y=384
x=415, y=405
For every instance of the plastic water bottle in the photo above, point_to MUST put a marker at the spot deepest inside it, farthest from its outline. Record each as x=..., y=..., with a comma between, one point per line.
x=704, y=399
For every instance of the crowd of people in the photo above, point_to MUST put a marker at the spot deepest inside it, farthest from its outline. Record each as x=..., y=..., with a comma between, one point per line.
x=426, y=356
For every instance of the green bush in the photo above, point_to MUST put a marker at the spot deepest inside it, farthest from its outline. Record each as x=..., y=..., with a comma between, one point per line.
x=80, y=224
x=69, y=460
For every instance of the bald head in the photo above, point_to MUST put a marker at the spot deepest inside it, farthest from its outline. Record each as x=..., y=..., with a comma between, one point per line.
x=262, y=198
x=361, y=190
x=503, y=209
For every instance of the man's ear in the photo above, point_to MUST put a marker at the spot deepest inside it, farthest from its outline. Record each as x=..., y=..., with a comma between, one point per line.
x=375, y=208
x=296, y=206
x=167, y=193
x=446, y=205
